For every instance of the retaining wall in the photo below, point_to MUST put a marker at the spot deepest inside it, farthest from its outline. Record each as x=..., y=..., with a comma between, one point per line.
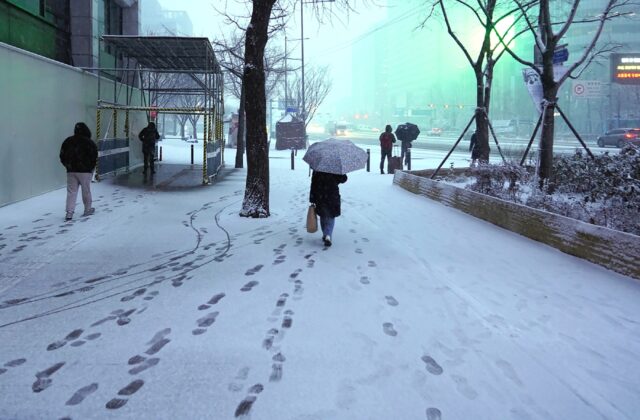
x=609, y=248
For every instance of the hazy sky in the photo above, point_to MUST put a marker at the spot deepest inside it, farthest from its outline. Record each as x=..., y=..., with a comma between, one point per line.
x=331, y=37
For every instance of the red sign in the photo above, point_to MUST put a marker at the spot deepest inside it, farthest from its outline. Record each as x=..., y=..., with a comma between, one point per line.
x=154, y=113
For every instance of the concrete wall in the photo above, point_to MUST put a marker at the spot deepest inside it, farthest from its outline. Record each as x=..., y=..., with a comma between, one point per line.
x=40, y=102
x=612, y=249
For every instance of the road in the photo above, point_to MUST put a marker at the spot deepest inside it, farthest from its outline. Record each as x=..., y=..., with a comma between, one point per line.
x=511, y=147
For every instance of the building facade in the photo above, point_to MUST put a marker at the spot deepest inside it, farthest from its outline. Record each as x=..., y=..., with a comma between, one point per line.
x=66, y=30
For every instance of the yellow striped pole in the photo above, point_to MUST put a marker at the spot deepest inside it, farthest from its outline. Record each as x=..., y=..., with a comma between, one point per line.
x=222, y=125
x=98, y=132
x=205, y=179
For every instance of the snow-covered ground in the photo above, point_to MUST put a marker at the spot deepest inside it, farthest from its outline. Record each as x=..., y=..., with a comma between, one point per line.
x=166, y=304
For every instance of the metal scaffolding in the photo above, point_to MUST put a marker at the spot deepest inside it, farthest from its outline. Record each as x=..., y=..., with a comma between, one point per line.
x=159, y=67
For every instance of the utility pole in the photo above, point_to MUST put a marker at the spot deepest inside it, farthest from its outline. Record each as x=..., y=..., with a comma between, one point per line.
x=302, y=2
x=304, y=108
x=286, y=71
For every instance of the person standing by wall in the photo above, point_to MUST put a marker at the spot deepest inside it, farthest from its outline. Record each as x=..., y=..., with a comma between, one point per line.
x=79, y=155
x=386, y=144
x=148, y=136
x=325, y=194
x=474, y=149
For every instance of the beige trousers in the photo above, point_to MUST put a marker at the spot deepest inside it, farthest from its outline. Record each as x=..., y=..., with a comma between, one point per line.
x=74, y=181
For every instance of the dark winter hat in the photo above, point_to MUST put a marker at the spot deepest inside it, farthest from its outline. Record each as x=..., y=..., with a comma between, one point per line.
x=151, y=125
x=388, y=128
x=81, y=129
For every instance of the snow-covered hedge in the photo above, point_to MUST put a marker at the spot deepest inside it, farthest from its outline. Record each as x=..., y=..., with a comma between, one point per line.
x=604, y=191
x=615, y=250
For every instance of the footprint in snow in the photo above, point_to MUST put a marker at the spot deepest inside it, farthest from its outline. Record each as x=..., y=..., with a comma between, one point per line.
x=432, y=366
x=82, y=393
x=391, y=301
x=128, y=390
x=388, y=329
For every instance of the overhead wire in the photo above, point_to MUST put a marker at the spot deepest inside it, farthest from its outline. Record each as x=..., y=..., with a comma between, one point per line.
x=404, y=16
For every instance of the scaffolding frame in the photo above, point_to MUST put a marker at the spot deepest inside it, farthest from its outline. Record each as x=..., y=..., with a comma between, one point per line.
x=138, y=60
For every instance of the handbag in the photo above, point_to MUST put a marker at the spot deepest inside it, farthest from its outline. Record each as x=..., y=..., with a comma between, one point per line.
x=312, y=219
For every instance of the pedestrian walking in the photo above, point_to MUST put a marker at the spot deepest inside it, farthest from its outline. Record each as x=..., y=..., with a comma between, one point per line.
x=386, y=145
x=325, y=195
x=79, y=156
x=474, y=149
x=405, y=145
x=148, y=136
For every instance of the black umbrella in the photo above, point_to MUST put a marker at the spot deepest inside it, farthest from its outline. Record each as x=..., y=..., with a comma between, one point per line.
x=407, y=132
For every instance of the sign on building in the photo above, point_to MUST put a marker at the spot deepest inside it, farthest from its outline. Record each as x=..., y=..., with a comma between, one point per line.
x=625, y=68
x=587, y=89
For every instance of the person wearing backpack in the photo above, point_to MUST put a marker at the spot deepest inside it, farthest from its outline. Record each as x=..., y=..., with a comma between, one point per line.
x=386, y=145
x=148, y=136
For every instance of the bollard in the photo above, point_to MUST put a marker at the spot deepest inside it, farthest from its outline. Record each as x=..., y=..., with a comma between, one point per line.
x=292, y=160
x=408, y=159
x=160, y=160
x=368, y=160
x=192, y=154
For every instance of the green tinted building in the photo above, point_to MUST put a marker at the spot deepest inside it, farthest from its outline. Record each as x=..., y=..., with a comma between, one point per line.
x=66, y=30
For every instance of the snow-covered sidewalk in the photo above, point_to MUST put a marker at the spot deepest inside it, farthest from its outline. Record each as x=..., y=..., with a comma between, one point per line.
x=167, y=304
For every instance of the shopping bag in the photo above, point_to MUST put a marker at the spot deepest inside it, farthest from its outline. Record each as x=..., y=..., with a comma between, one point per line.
x=312, y=219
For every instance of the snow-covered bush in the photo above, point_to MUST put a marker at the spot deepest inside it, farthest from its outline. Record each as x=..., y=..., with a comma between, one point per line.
x=504, y=181
x=603, y=191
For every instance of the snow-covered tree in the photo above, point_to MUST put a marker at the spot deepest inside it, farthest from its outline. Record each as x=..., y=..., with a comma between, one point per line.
x=490, y=17
x=264, y=15
x=317, y=86
x=548, y=31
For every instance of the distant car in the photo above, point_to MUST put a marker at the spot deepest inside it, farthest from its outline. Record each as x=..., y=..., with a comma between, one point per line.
x=436, y=131
x=341, y=129
x=620, y=137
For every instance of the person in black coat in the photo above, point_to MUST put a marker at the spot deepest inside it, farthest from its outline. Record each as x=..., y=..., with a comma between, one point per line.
x=325, y=195
x=474, y=149
x=79, y=155
x=148, y=136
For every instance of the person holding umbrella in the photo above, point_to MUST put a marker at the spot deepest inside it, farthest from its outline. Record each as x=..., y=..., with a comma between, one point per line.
x=406, y=133
x=325, y=195
x=331, y=160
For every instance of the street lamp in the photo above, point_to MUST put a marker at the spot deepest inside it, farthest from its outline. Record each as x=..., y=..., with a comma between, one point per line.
x=302, y=2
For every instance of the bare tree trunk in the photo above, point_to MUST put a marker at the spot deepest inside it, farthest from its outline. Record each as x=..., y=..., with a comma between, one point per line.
x=545, y=169
x=482, y=126
x=240, y=132
x=256, y=195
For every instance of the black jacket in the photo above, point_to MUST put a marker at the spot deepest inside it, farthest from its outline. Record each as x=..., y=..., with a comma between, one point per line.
x=148, y=137
x=325, y=193
x=79, y=154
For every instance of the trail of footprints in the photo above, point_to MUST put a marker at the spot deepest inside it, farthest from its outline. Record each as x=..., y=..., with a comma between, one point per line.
x=273, y=336
x=430, y=364
x=140, y=363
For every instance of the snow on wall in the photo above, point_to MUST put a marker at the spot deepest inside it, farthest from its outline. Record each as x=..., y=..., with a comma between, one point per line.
x=617, y=251
x=40, y=102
